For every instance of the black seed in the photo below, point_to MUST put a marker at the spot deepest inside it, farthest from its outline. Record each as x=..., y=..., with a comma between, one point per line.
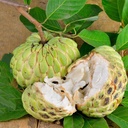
x=116, y=80
x=106, y=101
x=64, y=78
x=115, y=96
x=55, y=82
x=62, y=90
x=109, y=90
x=84, y=86
x=120, y=85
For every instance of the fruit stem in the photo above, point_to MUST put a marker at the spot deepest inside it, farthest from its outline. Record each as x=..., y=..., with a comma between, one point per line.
x=32, y=20
x=20, y=9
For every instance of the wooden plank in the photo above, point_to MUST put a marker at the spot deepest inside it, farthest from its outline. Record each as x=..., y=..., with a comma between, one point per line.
x=26, y=122
x=42, y=124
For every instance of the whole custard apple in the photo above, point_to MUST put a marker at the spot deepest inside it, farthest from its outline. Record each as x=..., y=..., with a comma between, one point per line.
x=95, y=84
x=32, y=61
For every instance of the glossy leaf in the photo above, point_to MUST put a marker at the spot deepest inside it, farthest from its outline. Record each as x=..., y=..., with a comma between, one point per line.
x=10, y=98
x=120, y=116
x=27, y=2
x=113, y=37
x=83, y=20
x=85, y=49
x=111, y=8
x=7, y=58
x=74, y=121
x=10, y=103
x=6, y=76
x=40, y=16
x=126, y=87
x=63, y=9
x=95, y=123
x=125, y=99
x=125, y=60
x=125, y=11
x=94, y=38
x=120, y=4
x=122, y=40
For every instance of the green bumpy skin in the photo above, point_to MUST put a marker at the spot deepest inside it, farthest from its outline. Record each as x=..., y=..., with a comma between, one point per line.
x=32, y=61
x=36, y=105
x=110, y=96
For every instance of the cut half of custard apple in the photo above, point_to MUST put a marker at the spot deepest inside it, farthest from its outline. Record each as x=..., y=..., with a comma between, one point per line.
x=95, y=85
x=105, y=81
x=32, y=61
x=46, y=102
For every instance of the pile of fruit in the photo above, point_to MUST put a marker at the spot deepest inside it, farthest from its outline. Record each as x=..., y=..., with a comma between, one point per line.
x=58, y=82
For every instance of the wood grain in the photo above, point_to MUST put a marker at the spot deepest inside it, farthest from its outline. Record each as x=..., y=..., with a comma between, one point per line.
x=26, y=122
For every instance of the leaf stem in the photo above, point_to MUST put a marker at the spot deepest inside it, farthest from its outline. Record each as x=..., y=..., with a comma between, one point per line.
x=20, y=9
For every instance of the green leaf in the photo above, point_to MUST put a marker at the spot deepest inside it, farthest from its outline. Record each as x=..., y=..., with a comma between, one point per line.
x=27, y=2
x=125, y=60
x=5, y=73
x=111, y=8
x=125, y=12
x=10, y=103
x=95, y=123
x=126, y=87
x=113, y=37
x=40, y=16
x=82, y=19
x=63, y=9
x=85, y=49
x=74, y=121
x=120, y=116
x=120, y=4
x=125, y=99
x=6, y=58
x=122, y=39
x=94, y=38
x=10, y=98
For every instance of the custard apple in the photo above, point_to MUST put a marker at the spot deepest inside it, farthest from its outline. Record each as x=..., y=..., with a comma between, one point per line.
x=95, y=84
x=105, y=81
x=32, y=61
x=46, y=102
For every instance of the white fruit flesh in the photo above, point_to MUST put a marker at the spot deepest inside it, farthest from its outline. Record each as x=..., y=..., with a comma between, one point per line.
x=92, y=74
x=83, y=81
x=51, y=95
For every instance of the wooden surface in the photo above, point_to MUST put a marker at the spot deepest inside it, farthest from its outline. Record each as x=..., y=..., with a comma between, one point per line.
x=28, y=122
